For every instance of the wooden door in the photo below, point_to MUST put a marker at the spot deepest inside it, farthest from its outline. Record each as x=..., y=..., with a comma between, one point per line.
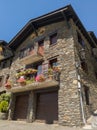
x=47, y=107
x=21, y=106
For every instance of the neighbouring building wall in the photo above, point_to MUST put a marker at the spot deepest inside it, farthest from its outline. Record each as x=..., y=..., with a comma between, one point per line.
x=5, y=63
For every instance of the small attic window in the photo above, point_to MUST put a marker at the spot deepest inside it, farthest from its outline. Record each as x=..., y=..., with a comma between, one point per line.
x=41, y=43
x=53, y=39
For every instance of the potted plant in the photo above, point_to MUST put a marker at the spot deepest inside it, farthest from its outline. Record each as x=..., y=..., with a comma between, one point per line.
x=40, y=78
x=22, y=81
x=57, y=69
x=8, y=84
x=4, y=104
x=30, y=71
x=50, y=73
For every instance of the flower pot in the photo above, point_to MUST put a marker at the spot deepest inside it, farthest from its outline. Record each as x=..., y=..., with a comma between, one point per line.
x=8, y=86
x=3, y=116
x=22, y=83
x=50, y=77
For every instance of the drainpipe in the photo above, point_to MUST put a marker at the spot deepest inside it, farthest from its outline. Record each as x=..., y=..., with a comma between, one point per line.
x=81, y=100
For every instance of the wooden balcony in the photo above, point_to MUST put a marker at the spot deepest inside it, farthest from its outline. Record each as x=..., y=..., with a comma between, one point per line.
x=28, y=80
x=33, y=86
x=31, y=58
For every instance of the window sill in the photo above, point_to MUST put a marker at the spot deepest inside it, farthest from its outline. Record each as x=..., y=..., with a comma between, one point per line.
x=51, y=45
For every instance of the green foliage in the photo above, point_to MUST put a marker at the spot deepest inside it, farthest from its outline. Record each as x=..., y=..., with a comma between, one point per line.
x=29, y=81
x=4, y=106
x=5, y=97
x=4, y=102
x=50, y=71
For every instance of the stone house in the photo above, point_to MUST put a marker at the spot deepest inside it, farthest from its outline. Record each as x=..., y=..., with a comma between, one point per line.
x=6, y=55
x=52, y=72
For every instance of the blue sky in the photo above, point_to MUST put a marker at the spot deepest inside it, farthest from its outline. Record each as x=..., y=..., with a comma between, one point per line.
x=14, y=14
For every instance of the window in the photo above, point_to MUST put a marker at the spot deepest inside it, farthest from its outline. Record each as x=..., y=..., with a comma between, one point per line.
x=1, y=64
x=21, y=55
x=1, y=79
x=41, y=47
x=53, y=39
x=7, y=77
x=84, y=66
x=41, y=43
x=37, y=66
x=96, y=75
x=4, y=64
x=31, y=49
x=39, y=69
x=10, y=62
x=80, y=40
x=26, y=51
x=86, y=91
x=53, y=62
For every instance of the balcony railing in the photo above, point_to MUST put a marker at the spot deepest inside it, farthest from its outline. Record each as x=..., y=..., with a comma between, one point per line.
x=40, y=81
x=31, y=57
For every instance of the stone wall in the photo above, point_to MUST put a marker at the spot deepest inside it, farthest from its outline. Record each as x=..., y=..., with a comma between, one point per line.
x=87, y=79
x=69, y=112
x=66, y=50
x=70, y=94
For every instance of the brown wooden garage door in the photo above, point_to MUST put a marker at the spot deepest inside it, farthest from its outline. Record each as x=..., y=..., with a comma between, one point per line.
x=21, y=106
x=47, y=107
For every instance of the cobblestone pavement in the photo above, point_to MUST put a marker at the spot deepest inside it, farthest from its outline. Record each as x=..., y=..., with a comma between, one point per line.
x=19, y=125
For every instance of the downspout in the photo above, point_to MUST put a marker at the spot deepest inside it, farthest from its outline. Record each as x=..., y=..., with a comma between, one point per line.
x=81, y=100
x=79, y=86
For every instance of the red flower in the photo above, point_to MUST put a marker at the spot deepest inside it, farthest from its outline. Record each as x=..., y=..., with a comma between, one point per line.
x=8, y=84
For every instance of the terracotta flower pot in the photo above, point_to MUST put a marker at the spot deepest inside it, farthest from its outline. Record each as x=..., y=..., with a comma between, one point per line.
x=22, y=83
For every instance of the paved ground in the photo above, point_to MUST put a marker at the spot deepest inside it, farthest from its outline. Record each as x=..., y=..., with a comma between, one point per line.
x=17, y=125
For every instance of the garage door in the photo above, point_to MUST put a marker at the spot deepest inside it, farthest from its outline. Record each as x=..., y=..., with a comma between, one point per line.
x=21, y=106
x=47, y=107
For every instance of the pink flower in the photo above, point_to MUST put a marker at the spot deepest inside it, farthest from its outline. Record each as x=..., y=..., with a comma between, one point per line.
x=40, y=78
x=37, y=78
x=21, y=79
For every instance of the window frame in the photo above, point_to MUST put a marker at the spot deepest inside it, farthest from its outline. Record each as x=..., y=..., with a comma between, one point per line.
x=86, y=93
x=51, y=37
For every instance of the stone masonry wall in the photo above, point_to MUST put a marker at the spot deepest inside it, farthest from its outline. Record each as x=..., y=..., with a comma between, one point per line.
x=69, y=112
x=87, y=79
